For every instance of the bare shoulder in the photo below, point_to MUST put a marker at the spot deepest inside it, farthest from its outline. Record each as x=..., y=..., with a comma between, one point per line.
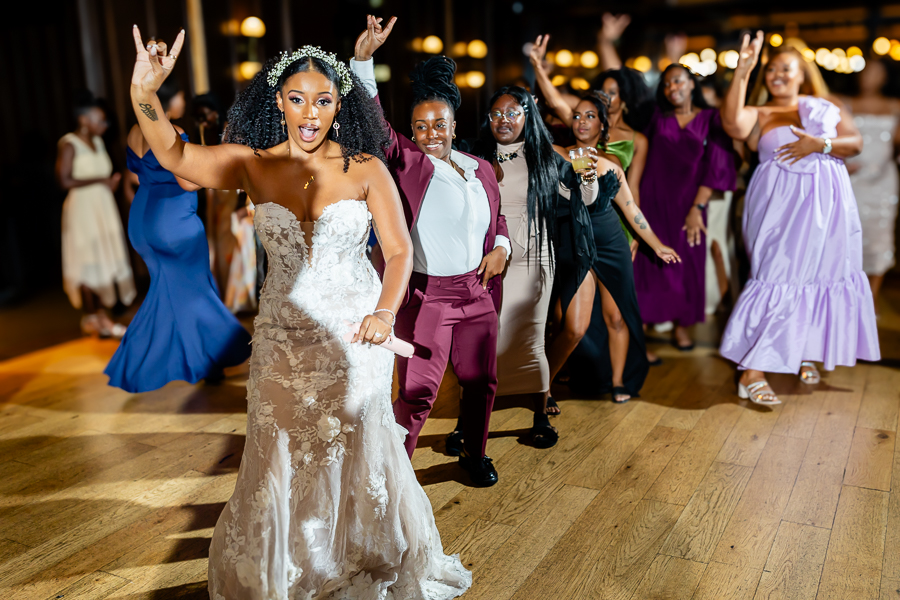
x=838, y=101
x=135, y=137
x=361, y=164
x=561, y=151
x=604, y=164
x=640, y=139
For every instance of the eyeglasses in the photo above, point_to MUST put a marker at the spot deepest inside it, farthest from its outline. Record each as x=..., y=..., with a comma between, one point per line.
x=510, y=115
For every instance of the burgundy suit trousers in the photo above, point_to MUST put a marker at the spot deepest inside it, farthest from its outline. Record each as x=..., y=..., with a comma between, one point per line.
x=448, y=318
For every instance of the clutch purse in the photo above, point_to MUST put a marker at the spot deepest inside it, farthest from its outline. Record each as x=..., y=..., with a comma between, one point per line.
x=395, y=345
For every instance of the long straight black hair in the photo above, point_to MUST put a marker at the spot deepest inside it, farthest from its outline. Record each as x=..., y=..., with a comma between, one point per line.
x=540, y=158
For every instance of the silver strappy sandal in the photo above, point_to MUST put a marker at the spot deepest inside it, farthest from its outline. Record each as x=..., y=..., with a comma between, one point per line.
x=811, y=376
x=754, y=392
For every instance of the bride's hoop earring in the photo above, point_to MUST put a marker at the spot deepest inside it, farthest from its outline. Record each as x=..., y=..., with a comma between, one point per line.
x=283, y=128
x=337, y=130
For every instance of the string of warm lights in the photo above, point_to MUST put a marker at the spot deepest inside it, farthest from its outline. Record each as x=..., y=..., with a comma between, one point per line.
x=708, y=61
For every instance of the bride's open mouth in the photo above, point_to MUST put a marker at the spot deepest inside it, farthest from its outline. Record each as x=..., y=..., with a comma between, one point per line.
x=308, y=133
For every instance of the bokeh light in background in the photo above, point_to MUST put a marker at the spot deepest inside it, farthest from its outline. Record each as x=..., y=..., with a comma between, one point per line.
x=895, y=50
x=432, y=44
x=475, y=79
x=477, y=49
x=643, y=64
x=589, y=59
x=881, y=46
x=564, y=58
x=729, y=58
x=253, y=27
x=382, y=73
x=248, y=69
x=580, y=83
x=775, y=40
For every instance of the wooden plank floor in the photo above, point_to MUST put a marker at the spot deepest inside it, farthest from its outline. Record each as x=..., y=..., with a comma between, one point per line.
x=683, y=494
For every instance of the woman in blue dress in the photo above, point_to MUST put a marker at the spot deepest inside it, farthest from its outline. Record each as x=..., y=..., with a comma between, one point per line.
x=183, y=330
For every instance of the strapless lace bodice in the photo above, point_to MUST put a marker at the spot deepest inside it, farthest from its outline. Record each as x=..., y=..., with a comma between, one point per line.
x=327, y=277
x=326, y=504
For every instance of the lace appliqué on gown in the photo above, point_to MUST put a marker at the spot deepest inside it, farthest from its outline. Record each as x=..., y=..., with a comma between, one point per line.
x=326, y=504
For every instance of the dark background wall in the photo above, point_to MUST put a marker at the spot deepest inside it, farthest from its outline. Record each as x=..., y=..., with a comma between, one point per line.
x=57, y=47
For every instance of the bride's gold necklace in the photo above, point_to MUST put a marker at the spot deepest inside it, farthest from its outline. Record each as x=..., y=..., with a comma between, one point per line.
x=312, y=178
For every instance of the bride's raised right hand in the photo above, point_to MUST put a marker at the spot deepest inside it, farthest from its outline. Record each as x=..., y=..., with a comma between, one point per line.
x=152, y=64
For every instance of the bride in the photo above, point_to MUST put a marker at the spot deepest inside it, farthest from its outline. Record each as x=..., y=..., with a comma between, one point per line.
x=326, y=504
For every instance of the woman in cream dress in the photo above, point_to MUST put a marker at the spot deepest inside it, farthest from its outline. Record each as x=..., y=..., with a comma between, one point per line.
x=94, y=254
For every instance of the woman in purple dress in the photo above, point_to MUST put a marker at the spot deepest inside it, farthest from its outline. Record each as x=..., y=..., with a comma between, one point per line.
x=689, y=156
x=808, y=298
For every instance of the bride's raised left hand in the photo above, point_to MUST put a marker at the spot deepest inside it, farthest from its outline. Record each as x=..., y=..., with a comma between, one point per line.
x=375, y=329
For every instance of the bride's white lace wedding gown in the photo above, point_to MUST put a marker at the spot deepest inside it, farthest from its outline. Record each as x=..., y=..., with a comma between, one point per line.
x=326, y=505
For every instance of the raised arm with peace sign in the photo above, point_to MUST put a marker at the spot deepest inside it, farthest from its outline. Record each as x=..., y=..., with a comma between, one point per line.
x=738, y=119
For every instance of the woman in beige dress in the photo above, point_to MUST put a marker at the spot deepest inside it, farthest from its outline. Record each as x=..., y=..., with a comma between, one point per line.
x=94, y=254
x=530, y=176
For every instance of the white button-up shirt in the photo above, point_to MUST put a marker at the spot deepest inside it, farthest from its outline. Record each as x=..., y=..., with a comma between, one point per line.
x=448, y=236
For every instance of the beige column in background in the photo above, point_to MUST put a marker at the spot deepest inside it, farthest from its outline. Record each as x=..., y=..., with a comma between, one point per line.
x=199, y=67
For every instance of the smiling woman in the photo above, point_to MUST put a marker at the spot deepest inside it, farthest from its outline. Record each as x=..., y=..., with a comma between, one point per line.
x=460, y=246
x=807, y=299
x=326, y=500
x=261, y=119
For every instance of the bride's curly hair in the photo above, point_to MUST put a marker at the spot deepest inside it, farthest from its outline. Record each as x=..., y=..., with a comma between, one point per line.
x=254, y=119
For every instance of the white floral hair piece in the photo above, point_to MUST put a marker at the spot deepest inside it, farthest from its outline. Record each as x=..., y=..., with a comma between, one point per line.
x=314, y=51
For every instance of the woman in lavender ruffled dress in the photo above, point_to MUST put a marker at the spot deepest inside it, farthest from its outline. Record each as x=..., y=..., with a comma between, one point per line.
x=808, y=298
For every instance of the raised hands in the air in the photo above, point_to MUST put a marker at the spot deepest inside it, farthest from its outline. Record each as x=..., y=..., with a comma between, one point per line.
x=153, y=62
x=613, y=26
x=373, y=37
x=748, y=55
x=539, y=51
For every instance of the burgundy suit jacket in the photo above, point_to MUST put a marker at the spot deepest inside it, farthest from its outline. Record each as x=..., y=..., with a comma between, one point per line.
x=412, y=171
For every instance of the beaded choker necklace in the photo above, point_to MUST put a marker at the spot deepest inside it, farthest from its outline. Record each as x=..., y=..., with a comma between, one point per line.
x=502, y=157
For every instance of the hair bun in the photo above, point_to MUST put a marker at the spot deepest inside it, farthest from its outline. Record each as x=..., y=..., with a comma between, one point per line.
x=432, y=79
x=84, y=98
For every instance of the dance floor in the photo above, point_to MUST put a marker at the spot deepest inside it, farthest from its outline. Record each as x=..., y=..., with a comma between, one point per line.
x=684, y=493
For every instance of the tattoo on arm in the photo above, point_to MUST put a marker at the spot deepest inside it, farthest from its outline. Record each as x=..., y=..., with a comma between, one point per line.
x=149, y=111
x=629, y=203
x=377, y=235
x=640, y=221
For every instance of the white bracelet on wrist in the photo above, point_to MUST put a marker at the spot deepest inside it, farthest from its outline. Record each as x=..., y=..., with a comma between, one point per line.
x=387, y=310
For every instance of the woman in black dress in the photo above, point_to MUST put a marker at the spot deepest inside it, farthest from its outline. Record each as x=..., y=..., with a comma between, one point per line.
x=589, y=363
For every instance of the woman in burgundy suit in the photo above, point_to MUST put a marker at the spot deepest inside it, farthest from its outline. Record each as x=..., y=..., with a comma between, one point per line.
x=460, y=241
